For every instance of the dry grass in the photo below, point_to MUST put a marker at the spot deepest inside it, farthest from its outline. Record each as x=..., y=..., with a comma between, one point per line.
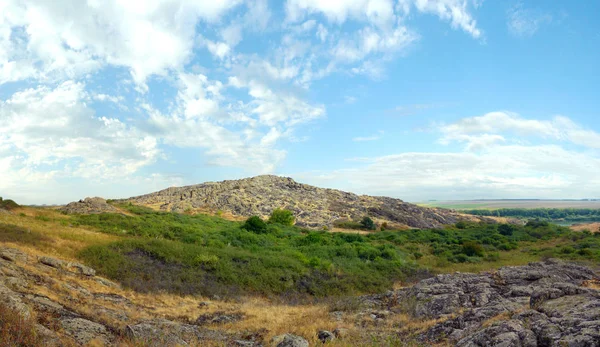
x=65, y=240
x=593, y=227
x=592, y=284
x=15, y=330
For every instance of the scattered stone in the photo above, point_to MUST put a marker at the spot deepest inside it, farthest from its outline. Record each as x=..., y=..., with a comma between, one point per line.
x=13, y=300
x=325, y=336
x=111, y=297
x=49, y=337
x=81, y=269
x=219, y=317
x=85, y=331
x=107, y=283
x=53, y=262
x=162, y=332
x=340, y=333
x=203, y=304
x=13, y=255
x=289, y=340
x=337, y=315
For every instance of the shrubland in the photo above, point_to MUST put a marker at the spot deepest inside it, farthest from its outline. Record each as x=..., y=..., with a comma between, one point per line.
x=152, y=251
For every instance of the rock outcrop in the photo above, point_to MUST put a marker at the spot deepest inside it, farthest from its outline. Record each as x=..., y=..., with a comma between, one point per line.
x=541, y=304
x=312, y=206
x=89, y=206
x=61, y=296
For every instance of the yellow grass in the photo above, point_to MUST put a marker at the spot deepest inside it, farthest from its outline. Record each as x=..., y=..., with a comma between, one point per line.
x=66, y=240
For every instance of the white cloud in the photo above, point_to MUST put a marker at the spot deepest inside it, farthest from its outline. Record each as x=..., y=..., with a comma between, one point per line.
x=56, y=128
x=369, y=138
x=489, y=167
x=380, y=12
x=558, y=128
x=522, y=21
x=67, y=39
x=455, y=11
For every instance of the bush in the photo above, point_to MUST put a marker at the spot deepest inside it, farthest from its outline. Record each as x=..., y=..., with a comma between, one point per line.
x=284, y=217
x=384, y=226
x=506, y=229
x=256, y=225
x=461, y=225
x=368, y=223
x=8, y=204
x=472, y=249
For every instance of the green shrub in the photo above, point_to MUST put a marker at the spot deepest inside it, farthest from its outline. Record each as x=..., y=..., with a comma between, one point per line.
x=8, y=204
x=472, y=248
x=284, y=217
x=506, y=229
x=461, y=224
x=256, y=225
x=368, y=223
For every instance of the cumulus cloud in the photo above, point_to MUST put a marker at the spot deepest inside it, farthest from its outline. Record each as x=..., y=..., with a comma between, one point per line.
x=490, y=166
x=488, y=127
x=58, y=39
x=55, y=127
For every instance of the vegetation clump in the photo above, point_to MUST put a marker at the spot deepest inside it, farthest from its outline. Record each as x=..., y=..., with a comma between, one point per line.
x=16, y=330
x=283, y=217
x=368, y=223
x=255, y=224
x=8, y=204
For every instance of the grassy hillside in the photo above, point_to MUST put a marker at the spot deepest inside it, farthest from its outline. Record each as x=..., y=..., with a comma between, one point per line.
x=153, y=251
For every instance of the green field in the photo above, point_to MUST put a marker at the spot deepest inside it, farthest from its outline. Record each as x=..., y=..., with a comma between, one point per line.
x=496, y=204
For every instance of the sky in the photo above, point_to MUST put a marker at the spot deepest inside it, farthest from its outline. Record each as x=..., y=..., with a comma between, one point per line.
x=414, y=99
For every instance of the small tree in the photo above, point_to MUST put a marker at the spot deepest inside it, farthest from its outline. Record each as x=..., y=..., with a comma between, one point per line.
x=472, y=248
x=256, y=225
x=284, y=217
x=368, y=223
x=506, y=229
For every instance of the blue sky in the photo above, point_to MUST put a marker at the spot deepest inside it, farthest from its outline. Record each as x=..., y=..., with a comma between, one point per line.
x=416, y=99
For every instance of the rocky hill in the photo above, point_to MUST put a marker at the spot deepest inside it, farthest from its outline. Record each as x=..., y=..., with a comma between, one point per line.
x=312, y=206
x=89, y=206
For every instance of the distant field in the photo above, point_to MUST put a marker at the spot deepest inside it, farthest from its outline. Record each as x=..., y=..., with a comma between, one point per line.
x=496, y=204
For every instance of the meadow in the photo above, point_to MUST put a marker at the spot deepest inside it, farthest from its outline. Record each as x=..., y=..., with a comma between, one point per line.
x=150, y=251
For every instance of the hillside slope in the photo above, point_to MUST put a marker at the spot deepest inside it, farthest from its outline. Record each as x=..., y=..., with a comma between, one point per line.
x=312, y=206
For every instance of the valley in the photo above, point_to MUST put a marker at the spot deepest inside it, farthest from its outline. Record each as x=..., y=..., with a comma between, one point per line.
x=123, y=273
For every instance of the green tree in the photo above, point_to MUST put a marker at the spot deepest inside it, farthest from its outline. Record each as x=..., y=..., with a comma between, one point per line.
x=472, y=248
x=284, y=217
x=506, y=229
x=256, y=225
x=368, y=223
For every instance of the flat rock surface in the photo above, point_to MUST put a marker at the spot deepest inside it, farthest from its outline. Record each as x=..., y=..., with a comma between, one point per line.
x=540, y=304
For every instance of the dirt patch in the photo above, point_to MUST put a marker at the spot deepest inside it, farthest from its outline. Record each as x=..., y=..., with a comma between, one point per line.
x=593, y=227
